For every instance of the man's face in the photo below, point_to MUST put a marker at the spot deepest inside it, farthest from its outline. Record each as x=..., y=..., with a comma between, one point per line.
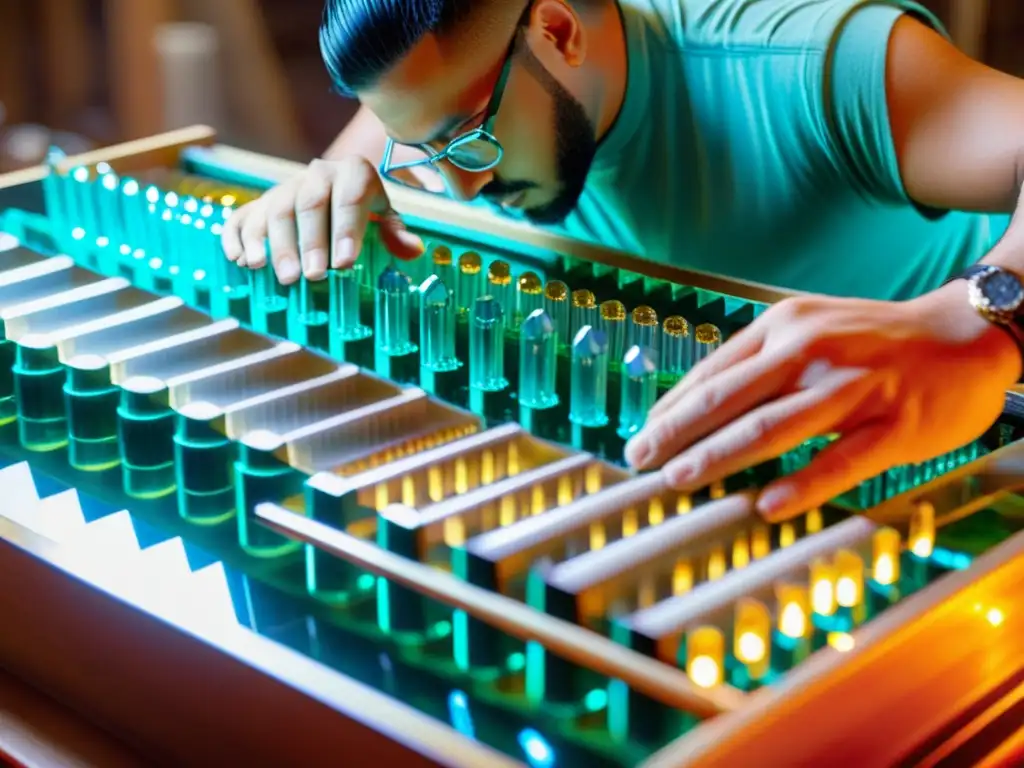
x=442, y=88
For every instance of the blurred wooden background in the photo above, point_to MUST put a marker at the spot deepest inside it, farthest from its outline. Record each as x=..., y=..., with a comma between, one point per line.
x=104, y=70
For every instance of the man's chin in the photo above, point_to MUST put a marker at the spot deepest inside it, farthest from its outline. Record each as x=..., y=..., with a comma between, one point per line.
x=553, y=213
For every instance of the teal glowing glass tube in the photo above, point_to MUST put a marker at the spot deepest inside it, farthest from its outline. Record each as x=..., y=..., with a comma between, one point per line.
x=499, y=285
x=394, y=313
x=53, y=199
x=396, y=356
x=639, y=390
x=441, y=265
x=260, y=476
x=471, y=281
x=437, y=326
x=39, y=392
x=613, y=323
x=111, y=228
x=350, y=339
x=205, y=466
x=145, y=432
x=91, y=402
x=270, y=308
x=588, y=400
x=643, y=329
x=556, y=304
x=487, y=346
x=538, y=361
x=584, y=311
x=309, y=325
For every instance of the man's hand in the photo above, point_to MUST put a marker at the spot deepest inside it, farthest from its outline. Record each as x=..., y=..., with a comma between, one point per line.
x=898, y=382
x=315, y=221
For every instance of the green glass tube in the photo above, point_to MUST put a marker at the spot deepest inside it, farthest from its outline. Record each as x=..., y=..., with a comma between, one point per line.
x=270, y=308
x=538, y=359
x=8, y=404
x=309, y=325
x=53, y=199
x=676, y=347
x=350, y=340
x=261, y=477
x=394, y=313
x=588, y=402
x=487, y=346
x=441, y=265
x=639, y=390
x=39, y=392
x=437, y=326
x=145, y=430
x=205, y=466
x=91, y=402
x=706, y=339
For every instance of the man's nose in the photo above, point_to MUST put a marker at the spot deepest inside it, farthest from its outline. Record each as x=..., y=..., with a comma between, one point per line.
x=465, y=185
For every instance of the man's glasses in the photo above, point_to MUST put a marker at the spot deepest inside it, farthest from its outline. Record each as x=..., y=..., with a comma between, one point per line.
x=475, y=151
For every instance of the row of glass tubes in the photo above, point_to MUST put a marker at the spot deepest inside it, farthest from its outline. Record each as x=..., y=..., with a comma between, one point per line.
x=832, y=585
x=547, y=319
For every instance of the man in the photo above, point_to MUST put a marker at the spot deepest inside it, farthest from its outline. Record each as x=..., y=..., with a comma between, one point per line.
x=838, y=147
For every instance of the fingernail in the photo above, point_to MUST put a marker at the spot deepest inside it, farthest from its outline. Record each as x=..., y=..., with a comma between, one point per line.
x=637, y=453
x=287, y=271
x=775, y=500
x=316, y=263
x=344, y=254
x=681, y=474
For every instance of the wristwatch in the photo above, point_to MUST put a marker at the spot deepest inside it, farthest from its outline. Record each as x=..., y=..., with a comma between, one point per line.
x=998, y=296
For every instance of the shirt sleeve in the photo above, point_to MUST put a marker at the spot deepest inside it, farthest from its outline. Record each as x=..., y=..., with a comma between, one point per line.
x=855, y=96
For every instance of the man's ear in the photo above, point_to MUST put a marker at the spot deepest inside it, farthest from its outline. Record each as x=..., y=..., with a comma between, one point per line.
x=559, y=25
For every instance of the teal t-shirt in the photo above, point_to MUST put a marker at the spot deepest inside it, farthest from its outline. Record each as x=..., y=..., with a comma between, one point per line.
x=754, y=142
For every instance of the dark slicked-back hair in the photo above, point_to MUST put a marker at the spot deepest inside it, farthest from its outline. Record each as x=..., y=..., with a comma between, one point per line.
x=360, y=40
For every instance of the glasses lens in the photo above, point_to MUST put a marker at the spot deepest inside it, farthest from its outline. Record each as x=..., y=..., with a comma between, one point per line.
x=420, y=176
x=475, y=153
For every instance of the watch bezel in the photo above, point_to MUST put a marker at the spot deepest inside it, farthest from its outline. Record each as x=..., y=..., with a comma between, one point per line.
x=980, y=300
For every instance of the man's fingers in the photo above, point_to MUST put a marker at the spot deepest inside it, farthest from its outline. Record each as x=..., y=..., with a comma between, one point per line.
x=254, y=237
x=771, y=430
x=707, y=407
x=313, y=216
x=865, y=452
x=740, y=347
x=231, y=236
x=400, y=242
x=283, y=239
x=358, y=192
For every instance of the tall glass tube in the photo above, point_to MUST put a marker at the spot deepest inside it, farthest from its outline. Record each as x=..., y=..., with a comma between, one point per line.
x=639, y=390
x=487, y=346
x=588, y=401
x=442, y=265
x=394, y=313
x=538, y=358
x=437, y=326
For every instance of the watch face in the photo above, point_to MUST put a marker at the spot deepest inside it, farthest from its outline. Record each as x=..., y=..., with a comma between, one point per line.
x=1002, y=291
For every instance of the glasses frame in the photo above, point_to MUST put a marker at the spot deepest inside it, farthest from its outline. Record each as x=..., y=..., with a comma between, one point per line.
x=484, y=132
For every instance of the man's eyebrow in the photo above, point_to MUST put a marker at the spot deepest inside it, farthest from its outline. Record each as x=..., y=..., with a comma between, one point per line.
x=444, y=129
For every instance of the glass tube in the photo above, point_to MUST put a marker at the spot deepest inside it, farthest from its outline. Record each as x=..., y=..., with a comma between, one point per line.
x=487, y=346
x=676, y=347
x=437, y=326
x=529, y=296
x=442, y=261
x=643, y=329
x=639, y=390
x=394, y=313
x=470, y=281
x=584, y=311
x=707, y=338
x=556, y=304
x=588, y=401
x=538, y=362
x=613, y=323
x=499, y=285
